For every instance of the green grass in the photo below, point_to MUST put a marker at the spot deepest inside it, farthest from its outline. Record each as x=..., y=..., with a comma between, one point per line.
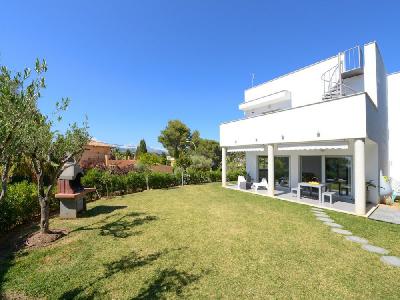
x=205, y=242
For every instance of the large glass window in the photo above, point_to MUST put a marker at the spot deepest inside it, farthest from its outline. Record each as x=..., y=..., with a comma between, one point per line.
x=338, y=174
x=262, y=167
x=281, y=169
x=310, y=168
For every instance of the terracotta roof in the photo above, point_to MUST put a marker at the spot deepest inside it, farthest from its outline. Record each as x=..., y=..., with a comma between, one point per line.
x=98, y=144
x=162, y=169
x=121, y=163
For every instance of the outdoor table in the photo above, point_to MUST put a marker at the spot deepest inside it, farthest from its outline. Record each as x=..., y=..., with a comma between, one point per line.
x=319, y=186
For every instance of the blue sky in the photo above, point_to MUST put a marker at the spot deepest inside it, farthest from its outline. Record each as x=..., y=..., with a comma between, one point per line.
x=131, y=66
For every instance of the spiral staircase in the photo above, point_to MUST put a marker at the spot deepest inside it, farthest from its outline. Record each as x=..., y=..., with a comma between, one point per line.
x=350, y=63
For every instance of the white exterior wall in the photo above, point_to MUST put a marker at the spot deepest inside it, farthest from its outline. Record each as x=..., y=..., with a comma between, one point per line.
x=338, y=119
x=375, y=78
x=394, y=124
x=305, y=85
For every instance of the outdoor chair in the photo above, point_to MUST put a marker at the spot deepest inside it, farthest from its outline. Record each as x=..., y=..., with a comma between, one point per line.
x=262, y=183
x=243, y=183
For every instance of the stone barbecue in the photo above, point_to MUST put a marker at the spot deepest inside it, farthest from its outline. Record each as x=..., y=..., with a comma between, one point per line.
x=71, y=192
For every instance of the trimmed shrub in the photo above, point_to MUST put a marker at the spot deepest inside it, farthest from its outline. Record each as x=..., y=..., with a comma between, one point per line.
x=93, y=178
x=162, y=180
x=135, y=181
x=197, y=177
x=233, y=175
x=215, y=176
x=20, y=205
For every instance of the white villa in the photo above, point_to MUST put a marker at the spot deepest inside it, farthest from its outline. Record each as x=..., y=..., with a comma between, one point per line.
x=333, y=123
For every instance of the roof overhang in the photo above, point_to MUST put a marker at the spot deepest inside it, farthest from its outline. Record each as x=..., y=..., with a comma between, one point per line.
x=334, y=145
x=266, y=100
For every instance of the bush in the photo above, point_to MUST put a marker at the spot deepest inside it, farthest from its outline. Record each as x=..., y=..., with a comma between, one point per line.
x=215, y=176
x=197, y=177
x=162, y=180
x=233, y=175
x=93, y=178
x=20, y=205
x=135, y=181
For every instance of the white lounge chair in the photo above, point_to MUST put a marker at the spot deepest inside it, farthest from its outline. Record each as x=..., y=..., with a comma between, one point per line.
x=263, y=183
x=240, y=179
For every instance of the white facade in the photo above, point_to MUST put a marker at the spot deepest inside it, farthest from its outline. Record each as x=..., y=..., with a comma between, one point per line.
x=340, y=109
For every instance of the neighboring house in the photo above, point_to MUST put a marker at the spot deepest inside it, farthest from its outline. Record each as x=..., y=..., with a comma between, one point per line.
x=335, y=121
x=96, y=152
x=171, y=160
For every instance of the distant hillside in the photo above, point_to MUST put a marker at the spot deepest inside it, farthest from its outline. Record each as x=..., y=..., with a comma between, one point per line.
x=149, y=149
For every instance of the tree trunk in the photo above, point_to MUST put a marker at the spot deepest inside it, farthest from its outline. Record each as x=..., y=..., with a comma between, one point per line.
x=44, y=204
x=147, y=181
x=4, y=177
x=44, y=214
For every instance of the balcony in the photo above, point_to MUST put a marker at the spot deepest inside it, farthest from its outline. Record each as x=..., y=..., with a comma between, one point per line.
x=338, y=119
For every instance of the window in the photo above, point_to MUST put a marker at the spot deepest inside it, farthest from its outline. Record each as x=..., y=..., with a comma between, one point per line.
x=262, y=167
x=281, y=169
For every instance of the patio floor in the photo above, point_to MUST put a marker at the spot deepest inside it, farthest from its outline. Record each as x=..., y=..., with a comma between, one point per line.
x=340, y=203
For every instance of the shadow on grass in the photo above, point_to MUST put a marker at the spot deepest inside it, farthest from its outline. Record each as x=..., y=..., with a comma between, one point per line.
x=122, y=227
x=101, y=210
x=10, y=246
x=168, y=280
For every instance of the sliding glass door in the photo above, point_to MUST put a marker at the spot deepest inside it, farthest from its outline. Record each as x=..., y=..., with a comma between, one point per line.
x=310, y=168
x=281, y=169
x=338, y=174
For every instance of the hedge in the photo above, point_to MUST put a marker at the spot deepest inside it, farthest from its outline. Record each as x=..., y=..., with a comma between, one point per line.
x=107, y=183
x=20, y=205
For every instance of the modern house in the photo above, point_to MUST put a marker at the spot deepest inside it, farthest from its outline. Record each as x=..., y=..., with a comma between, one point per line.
x=332, y=122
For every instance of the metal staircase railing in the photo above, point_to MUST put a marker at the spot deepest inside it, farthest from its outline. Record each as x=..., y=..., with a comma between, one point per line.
x=332, y=79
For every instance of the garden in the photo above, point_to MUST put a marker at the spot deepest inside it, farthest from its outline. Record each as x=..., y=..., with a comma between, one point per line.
x=202, y=241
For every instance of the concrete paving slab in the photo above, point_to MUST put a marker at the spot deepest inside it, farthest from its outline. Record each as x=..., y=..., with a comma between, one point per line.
x=393, y=261
x=341, y=231
x=324, y=219
x=375, y=249
x=386, y=214
x=333, y=224
x=356, y=239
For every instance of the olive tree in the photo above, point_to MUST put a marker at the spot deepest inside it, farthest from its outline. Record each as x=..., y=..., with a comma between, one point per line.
x=18, y=105
x=49, y=151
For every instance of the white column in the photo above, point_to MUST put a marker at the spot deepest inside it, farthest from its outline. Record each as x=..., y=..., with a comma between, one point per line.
x=271, y=170
x=323, y=168
x=359, y=177
x=223, y=166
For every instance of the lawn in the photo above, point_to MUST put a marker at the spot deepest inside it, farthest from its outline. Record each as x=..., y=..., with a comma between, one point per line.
x=204, y=242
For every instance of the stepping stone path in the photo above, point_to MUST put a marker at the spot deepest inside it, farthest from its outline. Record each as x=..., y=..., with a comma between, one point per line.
x=375, y=249
x=323, y=219
x=341, y=231
x=356, y=239
x=317, y=209
x=320, y=214
x=393, y=261
x=333, y=224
